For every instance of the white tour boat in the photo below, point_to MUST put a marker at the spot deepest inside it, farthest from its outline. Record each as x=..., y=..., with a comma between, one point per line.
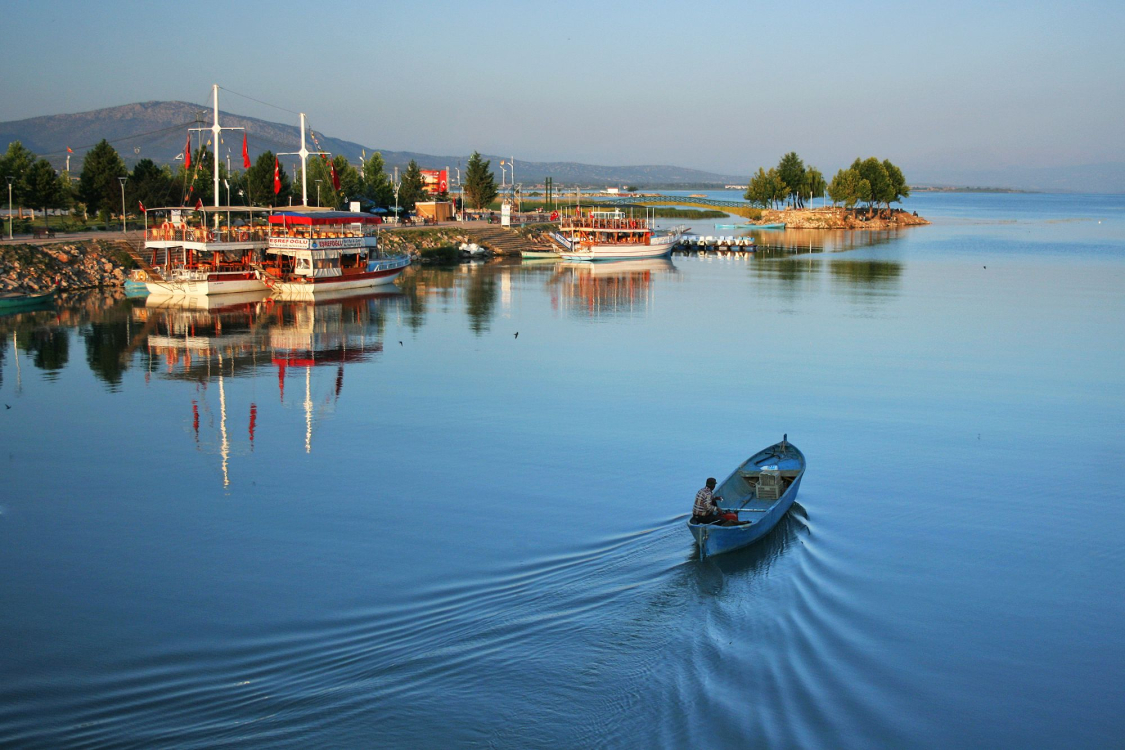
x=311, y=253
x=205, y=250
x=611, y=235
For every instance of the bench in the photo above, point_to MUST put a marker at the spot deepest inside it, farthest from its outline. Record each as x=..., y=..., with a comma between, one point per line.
x=41, y=234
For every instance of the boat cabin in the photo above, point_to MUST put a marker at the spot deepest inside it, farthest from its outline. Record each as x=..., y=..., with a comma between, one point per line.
x=606, y=227
x=319, y=244
x=205, y=240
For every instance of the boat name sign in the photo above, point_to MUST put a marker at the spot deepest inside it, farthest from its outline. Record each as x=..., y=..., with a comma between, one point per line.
x=302, y=243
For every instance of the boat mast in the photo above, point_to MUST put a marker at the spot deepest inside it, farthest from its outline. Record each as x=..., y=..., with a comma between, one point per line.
x=304, y=154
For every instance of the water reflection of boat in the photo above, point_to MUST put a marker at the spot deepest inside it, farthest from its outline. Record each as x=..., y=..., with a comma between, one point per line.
x=758, y=492
x=610, y=288
x=200, y=302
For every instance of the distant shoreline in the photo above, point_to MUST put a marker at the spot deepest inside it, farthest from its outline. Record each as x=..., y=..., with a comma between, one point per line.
x=964, y=189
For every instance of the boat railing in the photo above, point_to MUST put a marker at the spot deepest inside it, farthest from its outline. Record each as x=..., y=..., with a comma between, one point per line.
x=583, y=222
x=199, y=234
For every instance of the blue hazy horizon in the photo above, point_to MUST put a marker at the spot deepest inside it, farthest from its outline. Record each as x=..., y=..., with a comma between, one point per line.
x=724, y=87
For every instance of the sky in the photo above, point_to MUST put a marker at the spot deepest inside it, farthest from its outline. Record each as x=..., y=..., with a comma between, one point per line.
x=721, y=86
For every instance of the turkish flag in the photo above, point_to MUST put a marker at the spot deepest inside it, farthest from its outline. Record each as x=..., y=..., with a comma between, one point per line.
x=198, y=204
x=142, y=207
x=335, y=177
x=187, y=153
x=245, y=153
x=276, y=176
x=69, y=150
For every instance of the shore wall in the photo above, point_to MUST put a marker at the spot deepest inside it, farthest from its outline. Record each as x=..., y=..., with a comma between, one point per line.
x=68, y=265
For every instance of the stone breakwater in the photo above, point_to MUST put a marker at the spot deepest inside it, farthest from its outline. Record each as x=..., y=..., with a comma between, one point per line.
x=841, y=218
x=76, y=265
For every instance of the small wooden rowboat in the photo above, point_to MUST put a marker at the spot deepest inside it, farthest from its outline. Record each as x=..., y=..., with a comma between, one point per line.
x=760, y=492
x=11, y=301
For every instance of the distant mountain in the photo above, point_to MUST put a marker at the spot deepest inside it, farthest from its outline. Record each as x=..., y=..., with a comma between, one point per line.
x=157, y=131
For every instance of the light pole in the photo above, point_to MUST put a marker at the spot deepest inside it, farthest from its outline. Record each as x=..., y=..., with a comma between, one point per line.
x=397, y=184
x=503, y=174
x=318, y=193
x=461, y=188
x=11, y=178
x=122, y=181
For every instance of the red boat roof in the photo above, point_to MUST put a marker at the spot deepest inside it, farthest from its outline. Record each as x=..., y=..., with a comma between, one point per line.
x=322, y=217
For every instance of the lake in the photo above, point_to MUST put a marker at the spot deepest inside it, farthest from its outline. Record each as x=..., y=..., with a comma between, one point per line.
x=389, y=520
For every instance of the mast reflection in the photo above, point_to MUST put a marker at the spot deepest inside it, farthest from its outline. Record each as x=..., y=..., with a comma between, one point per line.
x=209, y=340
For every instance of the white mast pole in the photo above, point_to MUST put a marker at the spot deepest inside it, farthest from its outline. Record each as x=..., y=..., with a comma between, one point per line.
x=215, y=130
x=304, y=152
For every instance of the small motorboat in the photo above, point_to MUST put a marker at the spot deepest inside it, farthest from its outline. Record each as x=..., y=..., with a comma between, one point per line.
x=12, y=301
x=758, y=493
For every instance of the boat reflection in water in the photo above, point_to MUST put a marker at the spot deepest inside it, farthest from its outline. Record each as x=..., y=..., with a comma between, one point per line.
x=606, y=289
x=212, y=339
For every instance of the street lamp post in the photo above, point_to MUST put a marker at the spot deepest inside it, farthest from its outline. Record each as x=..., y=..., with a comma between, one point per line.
x=396, y=184
x=318, y=193
x=461, y=188
x=122, y=181
x=11, y=178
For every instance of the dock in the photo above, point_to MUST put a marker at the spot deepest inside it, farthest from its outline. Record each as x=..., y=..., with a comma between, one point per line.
x=693, y=243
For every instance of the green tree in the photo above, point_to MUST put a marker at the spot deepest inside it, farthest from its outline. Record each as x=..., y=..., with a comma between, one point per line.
x=259, y=182
x=767, y=189
x=17, y=163
x=849, y=187
x=43, y=189
x=98, y=185
x=791, y=170
x=412, y=189
x=872, y=170
x=899, y=188
x=377, y=183
x=149, y=184
x=815, y=184
x=480, y=182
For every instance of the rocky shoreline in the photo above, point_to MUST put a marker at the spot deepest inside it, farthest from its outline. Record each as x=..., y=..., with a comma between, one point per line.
x=69, y=265
x=841, y=218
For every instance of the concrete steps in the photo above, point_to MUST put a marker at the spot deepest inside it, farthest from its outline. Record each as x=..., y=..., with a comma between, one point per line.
x=500, y=240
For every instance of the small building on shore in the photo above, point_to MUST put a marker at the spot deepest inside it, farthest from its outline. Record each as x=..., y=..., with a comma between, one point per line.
x=436, y=210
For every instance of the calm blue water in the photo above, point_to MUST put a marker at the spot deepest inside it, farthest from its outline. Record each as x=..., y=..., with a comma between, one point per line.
x=388, y=521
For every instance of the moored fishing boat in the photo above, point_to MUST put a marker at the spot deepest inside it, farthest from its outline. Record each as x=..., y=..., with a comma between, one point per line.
x=758, y=492
x=611, y=235
x=312, y=252
x=11, y=301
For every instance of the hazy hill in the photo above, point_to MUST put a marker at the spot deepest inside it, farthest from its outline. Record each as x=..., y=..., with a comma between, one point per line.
x=157, y=130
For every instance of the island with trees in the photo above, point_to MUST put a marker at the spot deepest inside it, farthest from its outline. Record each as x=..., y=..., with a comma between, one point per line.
x=861, y=195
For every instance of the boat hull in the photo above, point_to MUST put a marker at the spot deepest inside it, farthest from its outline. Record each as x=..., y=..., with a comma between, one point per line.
x=715, y=540
x=25, y=301
x=659, y=247
x=318, y=287
x=215, y=283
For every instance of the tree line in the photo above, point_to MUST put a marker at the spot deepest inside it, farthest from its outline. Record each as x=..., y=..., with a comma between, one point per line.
x=98, y=191
x=791, y=183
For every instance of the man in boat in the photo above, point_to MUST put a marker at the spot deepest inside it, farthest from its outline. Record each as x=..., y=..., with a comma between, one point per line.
x=706, y=508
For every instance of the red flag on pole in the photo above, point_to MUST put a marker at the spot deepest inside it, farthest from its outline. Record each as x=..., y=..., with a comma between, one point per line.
x=187, y=153
x=142, y=207
x=335, y=177
x=198, y=204
x=276, y=176
x=69, y=150
x=245, y=153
